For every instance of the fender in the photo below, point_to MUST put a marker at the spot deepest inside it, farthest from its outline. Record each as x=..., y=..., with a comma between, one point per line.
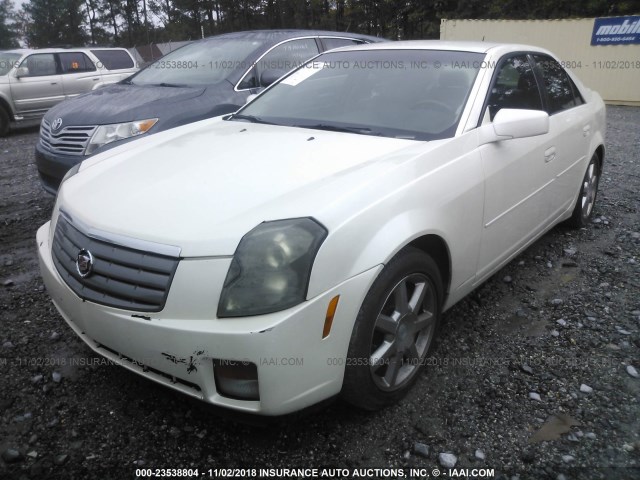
x=410, y=211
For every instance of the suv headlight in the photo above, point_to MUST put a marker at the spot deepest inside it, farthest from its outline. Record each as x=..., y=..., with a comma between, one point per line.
x=271, y=267
x=105, y=134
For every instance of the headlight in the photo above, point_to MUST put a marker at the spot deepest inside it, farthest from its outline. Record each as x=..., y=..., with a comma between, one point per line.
x=105, y=134
x=271, y=268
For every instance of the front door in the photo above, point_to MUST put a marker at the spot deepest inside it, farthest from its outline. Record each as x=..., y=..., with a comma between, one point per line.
x=39, y=86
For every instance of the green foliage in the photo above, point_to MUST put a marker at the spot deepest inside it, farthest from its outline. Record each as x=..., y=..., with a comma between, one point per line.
x=8, y=31
x=55, y=23
x=140, y=22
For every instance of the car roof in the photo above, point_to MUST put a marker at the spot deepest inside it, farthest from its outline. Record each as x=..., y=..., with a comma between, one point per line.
x=283, y=34
x=25, y=51
x=461, y=46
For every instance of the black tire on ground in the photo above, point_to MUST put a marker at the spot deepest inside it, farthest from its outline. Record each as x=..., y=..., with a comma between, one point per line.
x=394, y=331
x=588, y=192
x=4, y=122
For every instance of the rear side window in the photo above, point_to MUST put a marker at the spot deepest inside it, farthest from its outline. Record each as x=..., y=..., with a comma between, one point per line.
x=557, y=84
x=114, y=59
x=75, y=62
x=330, y=43
x=515, y=86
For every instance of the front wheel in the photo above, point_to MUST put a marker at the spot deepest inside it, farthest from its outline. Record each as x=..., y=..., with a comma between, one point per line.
x=394, y=331
x=587, y=198
x=4, y=122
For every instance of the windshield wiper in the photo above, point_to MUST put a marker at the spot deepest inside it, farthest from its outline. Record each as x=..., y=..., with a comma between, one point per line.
x=249, y=118
x=172, y=85
x=337, y=128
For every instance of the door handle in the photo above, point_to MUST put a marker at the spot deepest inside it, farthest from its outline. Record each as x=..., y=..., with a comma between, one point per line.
x=54, y=83
x=586, y=130
x=96, y=79
x=549, y=154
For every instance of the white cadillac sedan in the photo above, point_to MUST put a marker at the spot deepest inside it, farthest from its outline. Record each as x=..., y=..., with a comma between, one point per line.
x=307, y=245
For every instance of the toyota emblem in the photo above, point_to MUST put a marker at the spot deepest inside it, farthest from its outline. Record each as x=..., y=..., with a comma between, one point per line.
x=84, y=263
x=57, y=123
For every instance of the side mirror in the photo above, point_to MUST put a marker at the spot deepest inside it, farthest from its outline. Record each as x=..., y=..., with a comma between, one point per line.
x=270, y=76
x=22, y=72
x=251, y=97
x=515, y=123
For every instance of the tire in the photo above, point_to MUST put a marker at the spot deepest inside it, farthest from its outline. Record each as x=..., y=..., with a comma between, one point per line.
x=4, y=122
x=394, y=331
x=587, y=198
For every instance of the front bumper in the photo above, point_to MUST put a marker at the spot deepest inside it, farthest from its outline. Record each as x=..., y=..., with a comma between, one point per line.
x=53, y=167
x=177, y=346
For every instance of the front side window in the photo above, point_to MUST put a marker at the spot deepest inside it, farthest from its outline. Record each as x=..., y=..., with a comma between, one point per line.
x=8, y=61
x=514, y=86
x=556, y=83
x=40, y=64
x=283, y=58
x=408, y=94
x=75, y=62
x=330, y=43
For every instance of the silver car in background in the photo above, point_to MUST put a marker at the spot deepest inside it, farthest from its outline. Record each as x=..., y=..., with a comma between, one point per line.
x=33, y=81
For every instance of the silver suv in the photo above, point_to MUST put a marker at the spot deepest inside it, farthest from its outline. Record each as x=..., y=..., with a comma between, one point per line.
x=33, y=81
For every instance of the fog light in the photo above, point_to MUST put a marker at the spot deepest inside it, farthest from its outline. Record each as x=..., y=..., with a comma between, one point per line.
x=237, y=380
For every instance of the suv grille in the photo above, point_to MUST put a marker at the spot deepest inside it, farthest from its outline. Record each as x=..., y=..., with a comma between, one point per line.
x=121, y=277
x=68, y=141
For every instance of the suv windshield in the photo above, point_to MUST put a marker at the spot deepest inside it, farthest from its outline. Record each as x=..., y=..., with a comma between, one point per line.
x=199, y=63
x=412, y=94
x=8, y=61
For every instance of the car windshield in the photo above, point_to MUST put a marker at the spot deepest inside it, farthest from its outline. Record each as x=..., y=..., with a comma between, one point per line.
x=8, y=61
x=199, y=63
x=412, y=94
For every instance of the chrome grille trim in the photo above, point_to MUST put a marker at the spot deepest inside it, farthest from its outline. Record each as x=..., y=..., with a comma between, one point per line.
x=71, y=140
x=122, y=277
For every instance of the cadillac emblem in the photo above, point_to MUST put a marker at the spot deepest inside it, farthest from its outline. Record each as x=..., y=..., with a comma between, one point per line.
x=84, y=263
x=57, y=123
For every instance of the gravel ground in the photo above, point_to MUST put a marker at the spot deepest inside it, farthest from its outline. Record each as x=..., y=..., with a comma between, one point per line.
x=533, y=375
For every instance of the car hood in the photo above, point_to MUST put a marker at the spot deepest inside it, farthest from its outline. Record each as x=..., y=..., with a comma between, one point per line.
x=121, y=103
x=203, y=186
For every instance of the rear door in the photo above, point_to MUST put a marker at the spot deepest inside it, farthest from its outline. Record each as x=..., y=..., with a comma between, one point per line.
x=79, y=74
x=39, y=87
x=569, y=124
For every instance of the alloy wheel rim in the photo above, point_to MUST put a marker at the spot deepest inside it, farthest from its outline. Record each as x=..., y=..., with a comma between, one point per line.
x=589, y=189
x=403, y=332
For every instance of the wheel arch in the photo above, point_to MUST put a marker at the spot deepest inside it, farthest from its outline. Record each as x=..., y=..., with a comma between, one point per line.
x=436, y=247
x=4, y=104
x=600, y=152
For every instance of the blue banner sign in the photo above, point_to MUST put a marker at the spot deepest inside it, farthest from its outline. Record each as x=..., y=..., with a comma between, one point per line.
x=616, y=31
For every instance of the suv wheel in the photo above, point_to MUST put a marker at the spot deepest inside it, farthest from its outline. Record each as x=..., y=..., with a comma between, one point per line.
x=4, y=122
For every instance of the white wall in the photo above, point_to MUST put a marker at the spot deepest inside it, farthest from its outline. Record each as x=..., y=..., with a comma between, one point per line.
x=611, y=70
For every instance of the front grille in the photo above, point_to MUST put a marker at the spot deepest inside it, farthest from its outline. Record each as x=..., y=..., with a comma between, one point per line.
x=121, y=277
x=70, y=140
